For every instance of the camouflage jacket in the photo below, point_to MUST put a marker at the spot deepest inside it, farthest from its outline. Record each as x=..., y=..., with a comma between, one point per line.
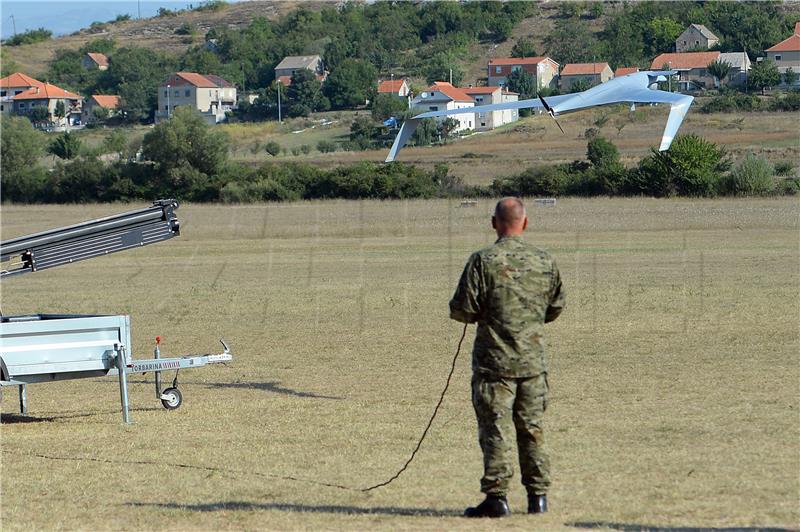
x=511, y=289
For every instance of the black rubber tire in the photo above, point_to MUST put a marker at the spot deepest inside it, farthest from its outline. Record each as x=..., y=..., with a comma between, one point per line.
x=175, y=402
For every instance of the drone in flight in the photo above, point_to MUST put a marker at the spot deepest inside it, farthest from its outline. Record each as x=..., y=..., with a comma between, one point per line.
x=639, y=87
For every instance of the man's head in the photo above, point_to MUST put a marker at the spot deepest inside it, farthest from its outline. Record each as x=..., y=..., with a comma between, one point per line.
x=509, y=217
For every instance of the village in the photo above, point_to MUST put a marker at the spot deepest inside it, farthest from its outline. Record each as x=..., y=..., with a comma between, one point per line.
x=698, y=65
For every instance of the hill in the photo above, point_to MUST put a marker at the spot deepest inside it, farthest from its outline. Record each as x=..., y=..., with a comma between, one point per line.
x=155, y=33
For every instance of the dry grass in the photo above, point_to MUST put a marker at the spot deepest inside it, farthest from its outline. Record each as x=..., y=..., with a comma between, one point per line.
x=674, y=370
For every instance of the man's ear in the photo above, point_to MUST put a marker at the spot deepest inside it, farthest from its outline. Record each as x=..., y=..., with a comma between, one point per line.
x=494, y=222
x=525, y=223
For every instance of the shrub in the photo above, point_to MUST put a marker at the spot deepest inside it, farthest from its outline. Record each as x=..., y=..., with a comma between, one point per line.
x=305, y=148
x=731, y=102
x=296, y=151
x=789, y=186
x=788, y=102
x=29, y=37
x=272, y=148
x=752, y=177
x=784, y=168
x=326, y=146
x=693, y=166
x=535, y=181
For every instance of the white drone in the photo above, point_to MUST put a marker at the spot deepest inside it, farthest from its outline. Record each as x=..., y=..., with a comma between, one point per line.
x=639, y=87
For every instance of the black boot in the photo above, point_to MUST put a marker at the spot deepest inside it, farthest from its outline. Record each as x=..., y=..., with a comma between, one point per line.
x=492, y=506
x=537, y=504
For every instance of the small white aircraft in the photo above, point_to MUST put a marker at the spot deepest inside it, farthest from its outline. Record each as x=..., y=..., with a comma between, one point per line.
x=639, y=87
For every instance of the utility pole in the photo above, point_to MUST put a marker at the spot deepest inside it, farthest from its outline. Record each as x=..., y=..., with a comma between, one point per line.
x=451, y=76
x=168, y=109
x=139, y=8
x=278, y=86
x=13, y=23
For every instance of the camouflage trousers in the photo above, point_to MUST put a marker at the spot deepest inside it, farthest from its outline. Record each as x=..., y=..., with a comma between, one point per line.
x=504, y=406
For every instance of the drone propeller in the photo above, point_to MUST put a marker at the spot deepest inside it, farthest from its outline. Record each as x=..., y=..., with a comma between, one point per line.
x=551, y=113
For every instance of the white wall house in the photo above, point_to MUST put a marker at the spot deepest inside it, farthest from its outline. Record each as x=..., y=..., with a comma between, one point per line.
x=443, y=96
x=212, y=95
x=488, y=96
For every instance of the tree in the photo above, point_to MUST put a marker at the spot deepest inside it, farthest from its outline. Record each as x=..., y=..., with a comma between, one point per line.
x=39, y=115
x=65, y=146
x=425, y=133
x=187, y=153
x=115, y=142
x=305, y=93
x=764, y=74
x=363, y=131
x=448, y=127
x=135, y=74
x=21, y=146
x=442, y=66
x=386, y=105
x=609, y=173
x=351, y=84
x=790, y=76
x=524, y=84
x=661, y=34
x=523, y=48
x=580, y=85
x=60, y=110
x=719, y=69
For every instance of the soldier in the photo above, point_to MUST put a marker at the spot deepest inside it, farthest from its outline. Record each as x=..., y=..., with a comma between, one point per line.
x=511, y=289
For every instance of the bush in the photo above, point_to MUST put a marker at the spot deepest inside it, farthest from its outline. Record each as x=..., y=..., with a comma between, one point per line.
x=752, y=177
x=305, y=148
x=272, y=148
x=29, y=37
x=789, y=187
x=326, y=146
x=693, y=166
x=731, y=102
x=787, y=102
x=535, y=181
x=784, y=168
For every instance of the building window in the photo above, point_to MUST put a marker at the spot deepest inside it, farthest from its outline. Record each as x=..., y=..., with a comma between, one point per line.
x=22, y=106
x=177, y=92
x=17, y=92
x=697, y=43
x=166, y=107
x=498, y=69
x=516, y=68
x=2, y=94
x=434, y=108
x=187, y=92
x=166, y=94
x=777, y=57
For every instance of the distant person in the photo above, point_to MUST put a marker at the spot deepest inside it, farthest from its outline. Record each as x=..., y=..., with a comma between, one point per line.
x=511, y=289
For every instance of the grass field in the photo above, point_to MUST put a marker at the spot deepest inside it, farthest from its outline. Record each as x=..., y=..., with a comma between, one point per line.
x=674, y=371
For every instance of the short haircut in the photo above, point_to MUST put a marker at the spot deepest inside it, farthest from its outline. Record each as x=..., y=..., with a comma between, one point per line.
x=509, y=210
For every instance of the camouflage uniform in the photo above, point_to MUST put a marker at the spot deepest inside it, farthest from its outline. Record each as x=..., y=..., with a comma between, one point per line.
x=510, y=289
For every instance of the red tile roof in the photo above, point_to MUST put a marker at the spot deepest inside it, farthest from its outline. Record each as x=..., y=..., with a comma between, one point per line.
x=499, y=61
x=792, y=44
x=109, y=101
x=46, y=92
x=220, y=82
x=389, y=85
x=18, y=79
x=284, y=80
x=583, y=69
x=685, y=60
x=98, y=58
x=454, y=93
x=624, y=71
x=196, y=79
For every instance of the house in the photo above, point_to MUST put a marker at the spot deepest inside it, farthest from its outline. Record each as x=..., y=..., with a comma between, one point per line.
x=487, y=96
x=442, y=95
x=92, y=105
x=396, y=87
x=740, y=65
x=786, y=54
x=94, y=60
x=292, y=63
x=12, y=85
x=692, y=68
x=212, y=95
x=48, y=96
x=695, y=37
x=592, y=73
x=624, y=71
x=544, y=69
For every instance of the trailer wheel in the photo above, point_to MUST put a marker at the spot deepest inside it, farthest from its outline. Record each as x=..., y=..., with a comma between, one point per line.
x=171, y=398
